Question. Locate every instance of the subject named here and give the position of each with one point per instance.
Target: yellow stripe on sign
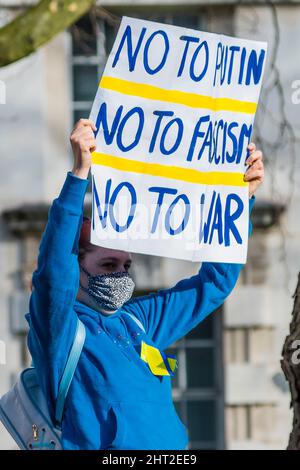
(175, 96)
(167, 171)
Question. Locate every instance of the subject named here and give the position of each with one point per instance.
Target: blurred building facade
(229, 388)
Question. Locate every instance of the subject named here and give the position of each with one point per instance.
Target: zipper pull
(35, 433)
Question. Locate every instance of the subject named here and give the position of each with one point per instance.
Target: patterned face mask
(110, 291)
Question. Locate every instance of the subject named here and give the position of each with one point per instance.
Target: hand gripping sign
(174, 114)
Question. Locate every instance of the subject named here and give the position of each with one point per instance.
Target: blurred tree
(30, 30)
(291, 367)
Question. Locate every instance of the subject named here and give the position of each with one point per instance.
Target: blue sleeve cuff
(73, 192)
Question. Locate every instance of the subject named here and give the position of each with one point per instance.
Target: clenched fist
(83, 142)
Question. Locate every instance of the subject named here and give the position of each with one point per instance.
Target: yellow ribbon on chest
(158, 362)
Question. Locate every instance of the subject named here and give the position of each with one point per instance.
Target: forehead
(100, 253)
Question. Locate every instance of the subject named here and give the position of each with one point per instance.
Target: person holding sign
(120, 396)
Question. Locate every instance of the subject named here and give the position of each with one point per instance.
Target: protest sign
(174, 114)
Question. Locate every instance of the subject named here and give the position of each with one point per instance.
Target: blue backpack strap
(137, 321)
(69, 370)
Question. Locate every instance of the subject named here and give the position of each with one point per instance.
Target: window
(88, 61)
(198, 383)
(92, 39)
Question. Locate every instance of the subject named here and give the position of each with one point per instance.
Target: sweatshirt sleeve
(170, 314)
(51, 317)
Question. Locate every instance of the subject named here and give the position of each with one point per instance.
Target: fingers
(254, 174)
(255, 164)
(84, 132)
(83, 137)
(83, 123)
(255, 171)
(254, 156)
(85, 145)
(251, 147)
(91, 144)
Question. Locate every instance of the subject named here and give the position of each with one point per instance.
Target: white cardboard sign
(174, 114)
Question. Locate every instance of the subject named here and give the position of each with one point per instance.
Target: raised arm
(55, 282)
(170, 314)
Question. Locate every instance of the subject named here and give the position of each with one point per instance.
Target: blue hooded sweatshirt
(114, 401)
